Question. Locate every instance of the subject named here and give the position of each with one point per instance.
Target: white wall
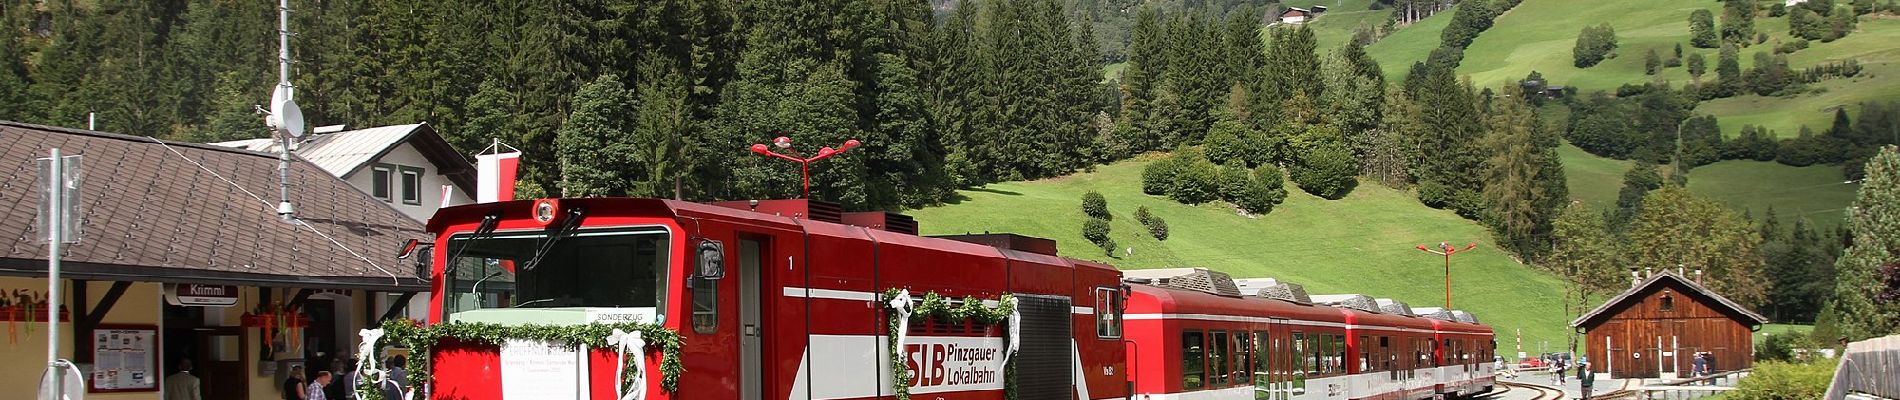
(405, 155)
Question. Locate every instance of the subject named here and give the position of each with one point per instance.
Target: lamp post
(1446, 249)
(804, 164)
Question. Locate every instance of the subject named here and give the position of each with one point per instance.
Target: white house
(405, 165)
(1295, 15)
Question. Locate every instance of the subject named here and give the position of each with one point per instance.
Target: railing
(1867, 370)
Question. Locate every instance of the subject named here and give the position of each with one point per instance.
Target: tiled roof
(182, 212)
(1730, 305)
(339, 153)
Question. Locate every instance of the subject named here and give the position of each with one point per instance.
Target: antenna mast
(285, 119)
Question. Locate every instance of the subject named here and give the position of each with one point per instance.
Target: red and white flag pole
(495, 173)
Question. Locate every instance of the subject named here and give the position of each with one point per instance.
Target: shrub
(1233, 183)
(1434, 194)
(1230, 142)
(1265, 190)
(1196, 181)
(1791, 46)
(1326, 170)
(1469, 204)
(1095, 230)
(1774, 380)
(1158, 228)
(1142, 215)
(1095, 206)
(1779, 346)
(1158, 177)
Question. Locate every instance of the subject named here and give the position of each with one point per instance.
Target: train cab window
(1108, 313)
(1193, 360)
(493, 277)
(1217, 357)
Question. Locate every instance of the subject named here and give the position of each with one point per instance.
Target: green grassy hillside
(1876, 45)
(1342, 18)
(1410, 44)
(1818, 193)
(1360, 244)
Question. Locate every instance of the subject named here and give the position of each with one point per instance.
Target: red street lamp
(804, 164)
(1446, 249)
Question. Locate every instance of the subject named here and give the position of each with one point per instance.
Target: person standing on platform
(1585, 378)
(293, 388)
(182, 385)
(315, 392)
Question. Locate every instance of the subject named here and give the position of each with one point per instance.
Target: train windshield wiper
(568, 225)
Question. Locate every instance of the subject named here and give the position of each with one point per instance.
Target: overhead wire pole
(1446, 249)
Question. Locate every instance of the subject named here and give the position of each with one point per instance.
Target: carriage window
(1365, 353)
(1321, 361)
(1217, 341)
(1431, 347)
(1193, 361)
(1108, 313)
(1299, 353)
(1339, 354)
(1243, 356)
(1262, 365)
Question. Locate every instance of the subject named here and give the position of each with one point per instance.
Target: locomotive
(791, 299)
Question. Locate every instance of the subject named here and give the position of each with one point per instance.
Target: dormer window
(1668, 302)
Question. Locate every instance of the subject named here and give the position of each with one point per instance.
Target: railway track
(1539, 392)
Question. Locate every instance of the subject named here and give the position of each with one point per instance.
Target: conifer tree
(1874, 235)
(1702, 29)
(597, 151)
(1678, 228)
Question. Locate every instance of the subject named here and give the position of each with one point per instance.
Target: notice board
(124, 359)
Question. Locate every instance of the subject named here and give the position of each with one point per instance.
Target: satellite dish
(285, 116)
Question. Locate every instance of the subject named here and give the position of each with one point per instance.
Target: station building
(182, 255)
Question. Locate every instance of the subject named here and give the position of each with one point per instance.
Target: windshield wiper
(487, 227)
(568, 225)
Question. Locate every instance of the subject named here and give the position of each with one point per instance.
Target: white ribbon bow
(366, 368)
(624, 342)
(1015, 329)
(901, 306)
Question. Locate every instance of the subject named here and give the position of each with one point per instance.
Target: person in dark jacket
(1585, 377)
(293, 387)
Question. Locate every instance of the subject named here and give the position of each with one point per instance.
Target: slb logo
(954, 363)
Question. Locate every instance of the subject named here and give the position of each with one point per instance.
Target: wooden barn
(1655, 329)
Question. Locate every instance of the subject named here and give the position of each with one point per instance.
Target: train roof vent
(1196, 279)
(1008, 241)
(1390, 306)
(1274, 289)
(815, 210)
(1463, 316)
(883, 220)
(1434, 313)
(1353, 301)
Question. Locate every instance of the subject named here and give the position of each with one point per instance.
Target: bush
(1434, 194)
(1142, 215)
(1230, 142)
(1264, 190)
(1779, 346)
(1326, 170)
(1158, 177)
(1096, 231)
(1774, 380)
(1158, 228)
(1233, 183)
(1095, 206)
(1196, 181)
(1791, 46)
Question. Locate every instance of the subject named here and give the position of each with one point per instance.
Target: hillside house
(410, 167)
(1296, 15)
(1655, 329)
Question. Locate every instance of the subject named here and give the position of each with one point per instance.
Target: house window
(380, 177)
(1108, 313)
(411, 185)
(1668, 302)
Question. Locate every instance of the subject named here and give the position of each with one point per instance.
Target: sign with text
(125, 358)
(951, 363)
(188, 294)
(533, 369)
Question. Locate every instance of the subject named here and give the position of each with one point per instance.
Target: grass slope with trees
(1362, 243)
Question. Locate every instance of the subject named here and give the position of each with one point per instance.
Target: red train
(784, 300)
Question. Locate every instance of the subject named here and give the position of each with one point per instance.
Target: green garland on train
(934, 305)
(420, 339)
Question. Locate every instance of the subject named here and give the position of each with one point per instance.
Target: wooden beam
(105, 304)
(296, 302)
(397, 306)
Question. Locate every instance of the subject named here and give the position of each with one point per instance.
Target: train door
(752, 253)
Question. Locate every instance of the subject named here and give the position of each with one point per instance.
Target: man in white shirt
(315, 391)
(182, 385)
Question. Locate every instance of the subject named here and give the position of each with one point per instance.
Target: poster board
(124, 359)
